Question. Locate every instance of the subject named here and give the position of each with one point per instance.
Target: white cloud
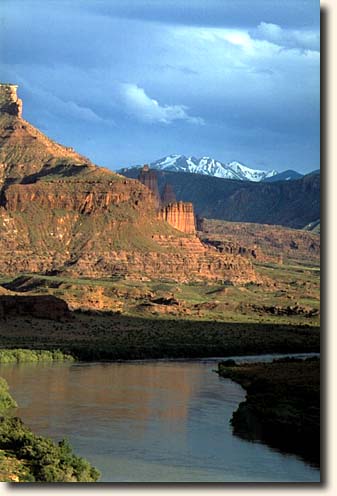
(288, 38)
(270, 32)
(147, 109)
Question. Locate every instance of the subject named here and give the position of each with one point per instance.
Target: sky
(127, 82)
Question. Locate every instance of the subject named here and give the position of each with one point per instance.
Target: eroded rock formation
(179, 215)
(59, 213)
(262, 242)
(84, 197)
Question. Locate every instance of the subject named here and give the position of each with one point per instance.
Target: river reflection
(148, 421)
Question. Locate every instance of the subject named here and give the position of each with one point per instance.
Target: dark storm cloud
(126, 82)
(215, 13)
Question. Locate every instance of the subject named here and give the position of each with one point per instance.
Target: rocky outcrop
(84, 197)
(103, 244)
(288, 203)
(9, 101)
(234, 248)
(261, 242)
(26, 153)
(289, 310)
(59, 213)
(149, 178)
(41, 307)
(179, 215)
(168, 195)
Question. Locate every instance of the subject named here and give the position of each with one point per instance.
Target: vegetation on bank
(96, 336)
(41, 459)
(26, 457)
(6, 400)
(282, 407)
(20, 355)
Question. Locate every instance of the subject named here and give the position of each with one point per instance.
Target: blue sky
(127, 82)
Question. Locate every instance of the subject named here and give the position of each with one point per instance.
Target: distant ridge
(288, 175)
(211, 167)
(208, 166)
(287, 203)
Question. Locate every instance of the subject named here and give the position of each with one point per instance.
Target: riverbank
(148, 421)
(282, 407)
(26, 457)
(112, 336)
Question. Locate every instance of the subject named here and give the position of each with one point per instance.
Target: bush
(6, 400)
(46, 461)
(22, 355)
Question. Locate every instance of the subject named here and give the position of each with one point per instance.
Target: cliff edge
(60, 213)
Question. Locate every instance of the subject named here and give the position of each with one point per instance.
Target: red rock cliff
(83, 197)
(59, 213)
(179, 215)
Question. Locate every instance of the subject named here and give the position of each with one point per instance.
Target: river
(148, 421)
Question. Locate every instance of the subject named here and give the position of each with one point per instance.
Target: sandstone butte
(61, 214)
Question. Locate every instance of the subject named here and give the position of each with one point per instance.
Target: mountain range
(211, 167)
(288, 203)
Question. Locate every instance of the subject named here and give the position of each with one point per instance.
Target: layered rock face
(59, 213)
(103, 243)
(179, 215)
(262, 242)
(25, 152)
(83, 197)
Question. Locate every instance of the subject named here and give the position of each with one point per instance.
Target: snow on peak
(211, 167)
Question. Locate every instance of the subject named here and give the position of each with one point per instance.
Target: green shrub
(6, 400)
(45, 460)
(19, 355)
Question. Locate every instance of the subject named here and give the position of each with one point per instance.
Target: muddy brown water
(149, 421)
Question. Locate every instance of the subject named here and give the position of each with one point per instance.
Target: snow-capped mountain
(211, 167)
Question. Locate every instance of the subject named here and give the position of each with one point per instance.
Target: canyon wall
(264, 243)
(78, 196)
(179, 215)
(61, 214)
(102, 242)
